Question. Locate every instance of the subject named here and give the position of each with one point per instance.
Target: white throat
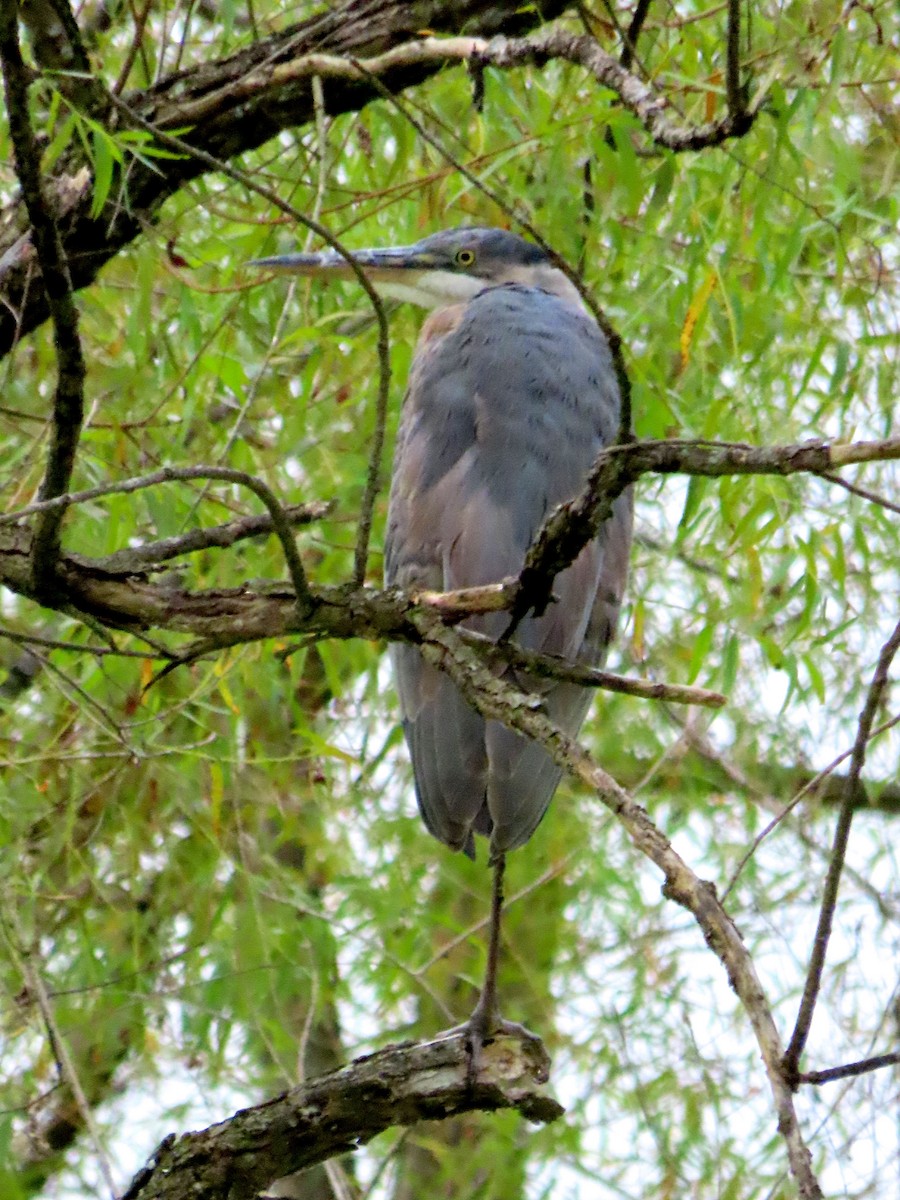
(431, 289)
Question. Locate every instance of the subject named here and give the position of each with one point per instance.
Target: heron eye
(465, 258)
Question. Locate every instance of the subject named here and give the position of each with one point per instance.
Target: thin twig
(89, 704)
(550, 666)
(140, 22)
(862, 492)
(448, 947)
(839, 852)
(851, 1069)
(810, 786)
(140, 558)
(701, 746)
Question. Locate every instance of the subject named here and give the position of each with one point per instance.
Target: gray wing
(503, 418)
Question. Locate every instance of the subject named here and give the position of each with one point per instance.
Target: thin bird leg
(486, 1021)
(487, 1010)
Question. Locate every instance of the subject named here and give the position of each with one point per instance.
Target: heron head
(449, 267)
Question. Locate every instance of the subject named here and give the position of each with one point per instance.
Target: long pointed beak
(380, 265)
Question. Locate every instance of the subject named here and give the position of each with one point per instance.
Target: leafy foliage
(220, 878)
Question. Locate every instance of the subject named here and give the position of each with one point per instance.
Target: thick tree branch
(647, 105)
(400, 1085)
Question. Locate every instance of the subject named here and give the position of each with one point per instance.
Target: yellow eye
(465, 258)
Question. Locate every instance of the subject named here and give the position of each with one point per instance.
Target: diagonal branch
(499, 701)
(839, 852)
(550, 666)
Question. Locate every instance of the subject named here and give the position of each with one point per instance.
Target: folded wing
(505, 413)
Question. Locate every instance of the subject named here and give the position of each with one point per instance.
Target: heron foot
(484, 1025)
(478, 1036)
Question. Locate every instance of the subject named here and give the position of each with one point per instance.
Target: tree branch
(640, 99)
(572, 525)
(141, 186)
(68, 404)
(549, 666)
(850, 1070)
(630, 38)
(733, 88)
(141, 558)
(839, 852)
(400, 1085)
(240, 102)
(498, 700)
(242, 614)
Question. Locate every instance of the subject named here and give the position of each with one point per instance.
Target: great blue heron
(511, 395)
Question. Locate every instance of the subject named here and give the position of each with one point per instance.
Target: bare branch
(849, 1070)
(549, 666)
(140, 558)
(839, 852)
(863, 493)
(647, 105)
(140, 24)
(33, 639)
(811, 785)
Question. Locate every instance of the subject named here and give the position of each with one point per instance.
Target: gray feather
(503, 417)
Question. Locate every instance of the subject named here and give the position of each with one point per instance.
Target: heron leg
(485, 1020)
